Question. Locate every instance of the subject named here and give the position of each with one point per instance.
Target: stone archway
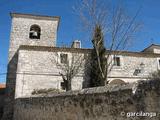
(117, 82)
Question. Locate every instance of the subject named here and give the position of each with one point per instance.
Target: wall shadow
(86, 75)
(10, 88)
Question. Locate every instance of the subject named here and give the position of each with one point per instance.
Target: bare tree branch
(69, 70)
(118, 28)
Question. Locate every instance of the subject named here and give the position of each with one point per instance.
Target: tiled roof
(32, 15)
(82, 50)
(152, 45)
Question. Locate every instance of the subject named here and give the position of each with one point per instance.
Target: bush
(45, 91)
(155, 75)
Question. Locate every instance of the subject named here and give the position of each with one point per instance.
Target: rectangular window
(158, 63)
(137, 71)
(63, 85)
(77, 44)
(64, 58)
(116, 61)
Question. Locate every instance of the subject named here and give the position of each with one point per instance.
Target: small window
(35, 32)
(77, 44)
(137, 71)
(63, 85)
(158, 63)
(116, 61)
(64, 58)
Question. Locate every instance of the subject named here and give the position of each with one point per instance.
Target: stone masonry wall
(38, 70)
(102, 103)
(20, 36)
(2, 96)
(129, 64)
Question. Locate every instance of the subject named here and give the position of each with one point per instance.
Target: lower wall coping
(94, 90)
(132, 88)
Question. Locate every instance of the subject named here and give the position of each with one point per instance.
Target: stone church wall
(103, 103)
(20, 30)
(37, 69)
(126, 71)
(2, 96)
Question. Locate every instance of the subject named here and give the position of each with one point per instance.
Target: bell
(35, 34)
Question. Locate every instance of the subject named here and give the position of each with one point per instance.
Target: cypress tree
(98, 52)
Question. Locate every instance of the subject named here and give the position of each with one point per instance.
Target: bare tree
(118, 28)
(69, 65)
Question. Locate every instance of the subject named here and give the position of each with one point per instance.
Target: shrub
(45, 91)
(155, 75)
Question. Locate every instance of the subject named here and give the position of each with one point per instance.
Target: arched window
(35, 32)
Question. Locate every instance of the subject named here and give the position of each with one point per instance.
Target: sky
(69, 28)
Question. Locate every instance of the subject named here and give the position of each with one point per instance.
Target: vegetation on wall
(155, 75)
(45, 91)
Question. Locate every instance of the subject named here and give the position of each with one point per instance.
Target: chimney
(76, 44)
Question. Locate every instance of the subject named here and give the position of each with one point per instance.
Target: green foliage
(98, 60)
(155, 75)
(45, 91)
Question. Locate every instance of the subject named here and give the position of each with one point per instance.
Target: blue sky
(69, 28)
